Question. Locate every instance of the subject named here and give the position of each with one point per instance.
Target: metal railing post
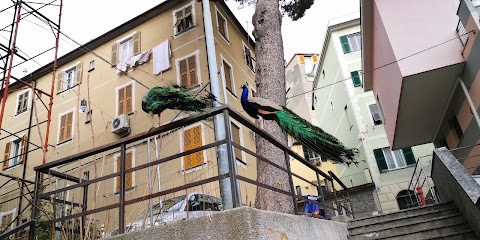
(86, 177)
(34, 207)
(290, 180)
(320, 193)
(339, 209)
(350, 203)
(232, 165)
(121, 208)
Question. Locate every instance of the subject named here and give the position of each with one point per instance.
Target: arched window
(407, 199)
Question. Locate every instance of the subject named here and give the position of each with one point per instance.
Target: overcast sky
(87, 19)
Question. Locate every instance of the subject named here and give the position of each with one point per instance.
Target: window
(91, 66)
(248, 57)
(331, 105)
(229, 84)
(183, 20)
(456, 126)
(237, 139)
(356, 78)
(390, 160)
(126, 48)
(377, 119)
(407, 199)
(192, 138)
(69, 78)
(311, 156)
(128, 176)
(22, 102)
(222, 25)
(14, 152)
(188, 72)
(6, 220)
(65, 127)
(351, 43)
(125, 105)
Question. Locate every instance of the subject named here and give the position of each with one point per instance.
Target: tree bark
(270, 79)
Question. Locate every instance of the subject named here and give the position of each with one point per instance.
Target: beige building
(168, 45)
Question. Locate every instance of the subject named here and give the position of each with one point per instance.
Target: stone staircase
(436, 221)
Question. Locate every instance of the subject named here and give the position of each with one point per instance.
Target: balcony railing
(462, 33)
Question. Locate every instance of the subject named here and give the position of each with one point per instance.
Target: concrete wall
(362, 201)
(454, 183)
(244, 223)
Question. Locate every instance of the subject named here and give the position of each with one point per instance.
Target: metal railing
(357, 179)
(462, 33)
(80, 211)
(421, 180)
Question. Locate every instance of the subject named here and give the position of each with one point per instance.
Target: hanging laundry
(161, 57)
(121, 67)
(143, 57)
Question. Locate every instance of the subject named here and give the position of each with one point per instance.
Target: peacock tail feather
(161, 98)
(314, 137)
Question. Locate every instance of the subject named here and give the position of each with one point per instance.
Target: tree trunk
(270, 79)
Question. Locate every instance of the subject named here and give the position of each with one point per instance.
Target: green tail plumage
(314, 137)
(158, 99)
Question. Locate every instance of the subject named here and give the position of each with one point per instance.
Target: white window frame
(15, 142)
(245, 56)
(226, 37)
(371, 115)
(73, 127)
(66, 84)
(396, 161)
(233, 91)
(194, 21)
(11, 212)
(205, 163)
(240, 130)
(354, 36)
(132, 82)
(18, 102)
(197, 59)
(116, 169)
(121, 51)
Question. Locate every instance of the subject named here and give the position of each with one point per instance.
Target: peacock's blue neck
(244, 96)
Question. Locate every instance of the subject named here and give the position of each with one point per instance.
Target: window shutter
(62, 128)
(68, 128)
(228, 76)
(24, 148)
(192, 70)
(315, 58)
(117, 187)
(356, 79)
(345, 44)
(121, 100)
(183, 73)
(197, 139)
(60, 81)
(302, 59)
(187, 145)
(114, 54)
(128, 99)
(236, 139)
(6, 156)
(128, 176)
(78, 73)
(136, 43)
(382, 164)
(409, 157)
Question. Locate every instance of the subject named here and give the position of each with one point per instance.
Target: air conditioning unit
(120, 124)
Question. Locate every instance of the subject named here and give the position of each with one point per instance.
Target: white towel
(121, 67)
(143, 57)
(161, 57)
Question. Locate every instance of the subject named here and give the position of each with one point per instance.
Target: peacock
(306, 133)
(158, 99)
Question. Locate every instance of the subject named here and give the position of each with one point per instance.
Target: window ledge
(193, 169)
(66, 90)
(178, 34)
(397, 169)
(17, 114)
(64, 142)
(12, 167)
(241, 163)
(132, 189)
(224, 37)
(231, 93)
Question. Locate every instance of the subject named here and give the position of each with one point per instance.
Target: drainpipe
(150, 185)
(218, 120)
(469, 100)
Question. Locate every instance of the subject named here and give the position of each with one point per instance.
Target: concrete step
(402, 213)
(461, 235)
(401, 220)
(417, 230)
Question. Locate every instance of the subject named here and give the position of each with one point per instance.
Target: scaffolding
(12, 56)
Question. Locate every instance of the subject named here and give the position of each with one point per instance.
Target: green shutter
(345, 44)
(382, 164)
(409, 157)
(357, 82)
(305, 153)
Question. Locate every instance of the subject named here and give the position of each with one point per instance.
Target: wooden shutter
(121, 101)
(117, 184)
(183, 73)
(356, 79)
(128, 99)
(78, 73)
(63, 123)
(197, 140)
(345, 44)
(68, 127)
(302, 59)
(6, 156)
(236, 139)
(136, 43)
(114, 54)
(24, 148)
(192, 71)
(315, 58)
(192, 138)
(228, 76)
(382, 164)
(60, 81)
(128, 176)
(187, 145)
(409, 157)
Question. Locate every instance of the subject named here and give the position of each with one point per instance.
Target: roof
(115, 32)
